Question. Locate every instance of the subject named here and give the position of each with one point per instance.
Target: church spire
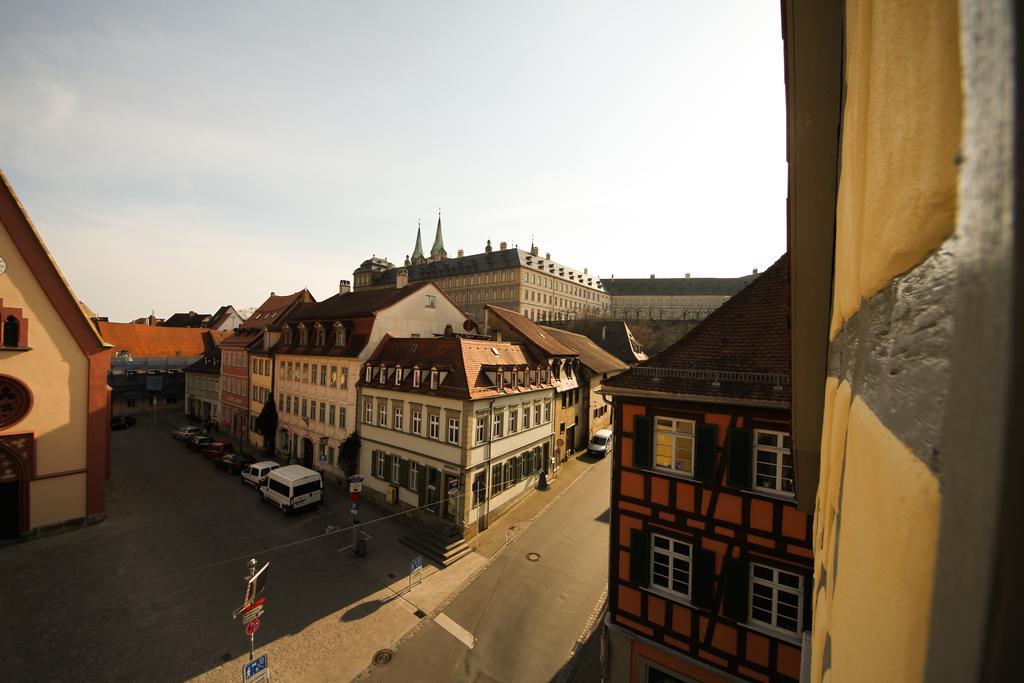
(437, 251)
(417, 253)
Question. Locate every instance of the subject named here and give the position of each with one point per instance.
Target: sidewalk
(342, 645)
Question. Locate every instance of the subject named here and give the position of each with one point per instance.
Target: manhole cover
(420, 613)
(383, 657)
(533, 557)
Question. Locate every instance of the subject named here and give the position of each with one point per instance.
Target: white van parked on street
(601, 443)
(292, 487)
(257, 472)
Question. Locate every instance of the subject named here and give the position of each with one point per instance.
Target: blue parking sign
(256, 670)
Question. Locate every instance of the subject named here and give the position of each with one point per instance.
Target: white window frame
(396, 469)
(397, 420)
(368, 411)
(416, 377)
(453, 430)
(378, 464)
(672, 558)
(383, 378)
(513, 420)
(775, 586)
(497, 424)
(398, 375)
(526, 417)
(369, 372)
(433, 379)
(779, 452)
(417, 422)
(341, 416)
(382, 413)
(481, 429)
(431, 301)
(672, 431)
(434, 426)
(547, 410)
(414, 475)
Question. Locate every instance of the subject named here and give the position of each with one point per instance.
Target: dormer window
(369, 372)
(433, 379)
(416, 377)
(287, 335)
(303, 335)
(398, 375)
(501, 380)
(515, 383)
(383, 375)
(321, 336)
(339, 334)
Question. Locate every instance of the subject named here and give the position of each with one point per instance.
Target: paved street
(518, 620)
(146, 595)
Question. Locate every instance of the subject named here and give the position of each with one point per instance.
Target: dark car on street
(197, 442)
(234, 463)
(122, 422)
(215, 450)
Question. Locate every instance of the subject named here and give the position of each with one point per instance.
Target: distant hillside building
(677, 298)
(520, 281)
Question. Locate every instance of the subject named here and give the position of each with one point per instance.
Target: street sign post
(252, 605)
(415, 567)
(256, 671)
(251, 627)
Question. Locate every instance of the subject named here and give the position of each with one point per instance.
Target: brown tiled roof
(591, 355)
(739, 351)
(465, 360)
(144, 341)
(531, 331)
(271, 312)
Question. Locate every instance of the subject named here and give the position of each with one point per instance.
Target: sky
(181, 156)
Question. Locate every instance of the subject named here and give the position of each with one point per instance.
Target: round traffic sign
(252, 627)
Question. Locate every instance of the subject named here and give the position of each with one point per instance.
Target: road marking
(463, 636)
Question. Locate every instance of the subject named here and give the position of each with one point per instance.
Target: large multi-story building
(680, 298)
(711, 571)
(320, 354)
(202, 388)
(54, 401)
(147, 371)
(521, 281)
(458, 426)
(239, 409)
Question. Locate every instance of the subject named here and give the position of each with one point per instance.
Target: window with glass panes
(341, 416)
(453, 430)
(670, 565)
(378, 464)
(416, 422)
(481, 429)
(536, 413)
(499, 419)
(323, 410)
(673, 444)
(331, 414)
(414, 475)
(775, 597)
(513, 420)
(435, 426)
(398, 417)
(496, 480)
(526, 417)
(396, 468)
(773, 462)
(368, 407)
(547, 411)
(382, 411)
(323, 375)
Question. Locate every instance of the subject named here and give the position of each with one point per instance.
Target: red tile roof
(144, 341)
(739, 351)
(531, 331)
(465, 360)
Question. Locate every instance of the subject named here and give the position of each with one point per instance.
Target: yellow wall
(57, 499)
(56, 372)
(901, 134)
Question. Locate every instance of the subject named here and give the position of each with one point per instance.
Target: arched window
(12, 331)
(15, 401)
(339, 334)
(321, 336)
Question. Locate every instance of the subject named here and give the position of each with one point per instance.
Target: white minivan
(600, 444)
(257, 472)
(292, 487)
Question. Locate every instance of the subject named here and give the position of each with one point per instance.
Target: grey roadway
(524, 615)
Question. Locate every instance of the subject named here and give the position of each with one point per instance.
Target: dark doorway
(451, 497)
(307, 453)
(433, 490)
(570, 440)
(9, 509)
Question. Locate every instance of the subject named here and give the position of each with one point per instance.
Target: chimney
(344, 286)
(191, 312)
(151, 320)
(534, 251)
(401, 278)
(652, 276)
(503, 246)
(487, 249)
(272, 294)
(547, 256)
(687, 276)
(449, 331)
(584, 271)
(755, 271)
(461, 253)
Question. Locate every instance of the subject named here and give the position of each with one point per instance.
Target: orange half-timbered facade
(710, 567)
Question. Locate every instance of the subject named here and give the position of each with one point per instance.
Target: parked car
(198, 442)
(600, 444)
(182, 433)
(293, 486)
(257, 472)
(216, 450)
(234, 463)
(122, 422)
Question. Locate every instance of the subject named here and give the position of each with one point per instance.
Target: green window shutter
(736, 575)
(403, 472)
(741, 444)
(387, 467)
(704, 466)
(642, 455)
(421, 484)
(703, 577)
(808, 601)
(639, 557)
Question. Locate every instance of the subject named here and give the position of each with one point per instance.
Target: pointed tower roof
(417, 253)
(438, 248)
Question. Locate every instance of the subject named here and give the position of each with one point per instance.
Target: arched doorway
(307, 453)
(13, 496)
